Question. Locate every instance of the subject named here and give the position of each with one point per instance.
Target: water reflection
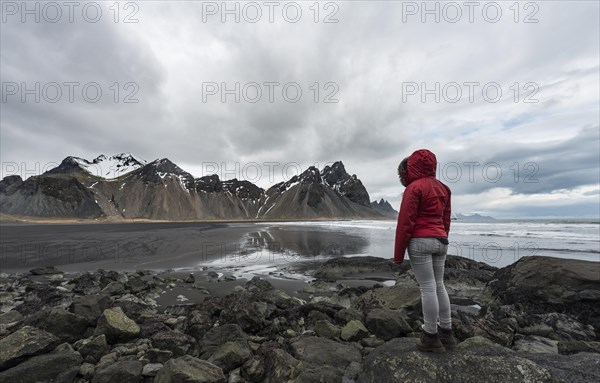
(302, 243)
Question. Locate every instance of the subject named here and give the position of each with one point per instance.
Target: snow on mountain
(110, 167)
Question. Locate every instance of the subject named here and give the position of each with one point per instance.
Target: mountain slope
(307, 196)
(47, 196)
(123, 186)
(107, 167)
(336, 177)
(384, 208)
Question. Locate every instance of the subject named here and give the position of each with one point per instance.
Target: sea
(499, 243)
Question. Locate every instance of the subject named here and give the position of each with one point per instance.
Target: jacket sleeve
(447, 213)
(406, 222)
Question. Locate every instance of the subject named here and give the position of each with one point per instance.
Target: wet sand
(114, 246)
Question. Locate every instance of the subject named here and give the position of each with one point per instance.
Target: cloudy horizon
(366, 83)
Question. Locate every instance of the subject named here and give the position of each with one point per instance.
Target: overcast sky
(532, 150)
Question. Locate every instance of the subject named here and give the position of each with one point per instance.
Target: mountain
(101, 166)
(349, 186)
(384, 208)
(472, 217)
(47, 196)
(124, 186)
(310, 195)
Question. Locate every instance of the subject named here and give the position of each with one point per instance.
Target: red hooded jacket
(425, 208)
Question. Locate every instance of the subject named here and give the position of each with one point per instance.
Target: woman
(423, 227)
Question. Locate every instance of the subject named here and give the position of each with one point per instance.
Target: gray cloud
(369, 54)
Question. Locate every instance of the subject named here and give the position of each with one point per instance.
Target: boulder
(48, 270)
(230, 355)
(322, 351)
(68, 327)
(155, 355)
(90, 306)
(354, 331)
(94, 349)
(399, 361)
(577, 346)
(178, 343)
(151, 369)
(23, 343)
(336, 268)
(326, 329)
(400, 296)
(345, 315)
(536, 344)
(473, 342)
(218, 335)
(10, 322)
(387, 324)
(258, 284)
(129, 371)
(55, 367)
(547, 284)
(117, 326)
(188, 369)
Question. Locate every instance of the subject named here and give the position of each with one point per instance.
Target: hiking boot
(447, 337)
(430, 343)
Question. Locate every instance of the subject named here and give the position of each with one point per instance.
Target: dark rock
(129, 371)
(372, 342)
(23, 343)
(90, 306)
(219, 335)
(241, 308)
(399, 361)
(354, 331)
(326, 329)
(536, 344)
(151, 369)
(547, 284)
(402, 295)
(258, 284)
(10, 322)
(387, 324)
(38, 296)
(188, 369)
(190, 279)
(134, 310)
(94, 349)
(55, 367)
(577, 346)
(344, 316)
(113, 288)
(336, 268)
(579, 368)
(151, 327)
(322, 351)
(271, 365)
(117, 326)
(86, 284)
(48, 270)
(155, 355)
(136, 285)
(230, 355)
(178, 343)
(68, 327)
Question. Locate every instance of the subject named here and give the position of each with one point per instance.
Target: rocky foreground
(537, 320)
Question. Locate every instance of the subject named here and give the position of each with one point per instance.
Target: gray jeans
(427, 259)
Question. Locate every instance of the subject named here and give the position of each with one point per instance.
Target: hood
(421, 163)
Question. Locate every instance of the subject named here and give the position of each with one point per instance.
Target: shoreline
(56, 220)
